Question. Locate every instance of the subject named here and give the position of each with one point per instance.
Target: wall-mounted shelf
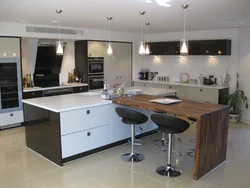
(220, 47)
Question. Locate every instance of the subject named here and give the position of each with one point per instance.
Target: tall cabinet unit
(117, 68)
(11, 109)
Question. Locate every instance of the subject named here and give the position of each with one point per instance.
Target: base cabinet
(199, 94)
(83, 141)
(203, 95)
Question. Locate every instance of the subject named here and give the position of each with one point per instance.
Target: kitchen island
(211, 131)
(66, 127)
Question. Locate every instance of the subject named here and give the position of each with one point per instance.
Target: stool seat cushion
(131, 117)
(170, 124)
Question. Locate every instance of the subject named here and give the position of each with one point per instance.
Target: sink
(89, 94)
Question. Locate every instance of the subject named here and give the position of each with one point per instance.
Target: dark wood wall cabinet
(196, 47)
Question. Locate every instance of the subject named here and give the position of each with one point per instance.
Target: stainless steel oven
(96, 82)
(95, 65)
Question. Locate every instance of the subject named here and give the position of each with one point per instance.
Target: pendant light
(142, 49)
(110, 50)
(147, 51)
(184, 42)
(59, 48)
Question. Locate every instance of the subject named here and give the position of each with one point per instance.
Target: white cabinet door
(9, 47)
(118, 67)
(96, 49)
(11, 118)
(203, 95)
(83, 119)
(83, 141)
(181, 90)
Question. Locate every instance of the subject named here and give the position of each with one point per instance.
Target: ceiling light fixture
(59, 49)
(184, 42)
(163, 3)
(54, 21)
(142, 49)
(147, 51)
(21, 20)
(110, 50)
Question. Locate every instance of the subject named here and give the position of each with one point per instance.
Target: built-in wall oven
(96, 82)
(95, 65)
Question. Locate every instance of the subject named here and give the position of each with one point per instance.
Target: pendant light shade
(184, 47)
(147, 50)
(184, 42)
(59, 47)
(142, 49)
(109, 50)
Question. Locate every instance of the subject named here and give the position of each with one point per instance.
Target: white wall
(244, 67)
(29, 51)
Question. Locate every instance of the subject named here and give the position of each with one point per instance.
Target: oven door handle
(97, 80)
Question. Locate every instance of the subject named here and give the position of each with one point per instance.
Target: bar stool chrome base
(132, 157)
(191, 152)
(169, 171)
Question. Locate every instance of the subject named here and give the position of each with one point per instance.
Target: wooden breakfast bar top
(211, 132)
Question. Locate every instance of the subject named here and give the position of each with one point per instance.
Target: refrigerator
(11, 108)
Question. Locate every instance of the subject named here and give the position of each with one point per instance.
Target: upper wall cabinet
(198, 47)
(9, 47)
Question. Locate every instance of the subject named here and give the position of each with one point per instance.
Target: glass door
(10, 85)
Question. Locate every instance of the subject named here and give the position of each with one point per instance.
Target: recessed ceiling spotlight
(241, 22)
(163, 3)
(21, 20)
(54, 21)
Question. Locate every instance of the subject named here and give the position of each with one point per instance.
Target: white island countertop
(63, 103)
(181, 84)
(31, 89)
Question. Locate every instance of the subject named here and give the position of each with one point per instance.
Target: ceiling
(201, 14)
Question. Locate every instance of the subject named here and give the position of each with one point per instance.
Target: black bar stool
(163, 141)
(169, 125)
(131, 117)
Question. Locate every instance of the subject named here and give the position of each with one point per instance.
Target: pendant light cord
(185, 24)
(141, 30)
(59, 27)
(109, 32)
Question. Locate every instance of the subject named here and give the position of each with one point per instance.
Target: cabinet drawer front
(88, 118)
(32, 94)
(80, 89)
(11, 118)
(139, 84)
(86, 140)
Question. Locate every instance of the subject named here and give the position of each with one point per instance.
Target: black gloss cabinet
(196, 47)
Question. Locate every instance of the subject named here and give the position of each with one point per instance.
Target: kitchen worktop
(62, 103)
(147, 90)
(31, 89)
(182, 84)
